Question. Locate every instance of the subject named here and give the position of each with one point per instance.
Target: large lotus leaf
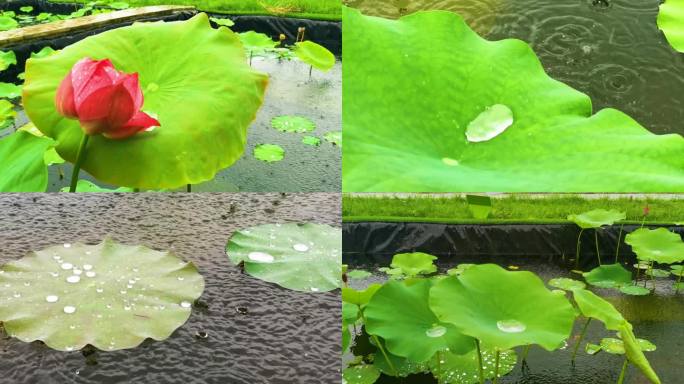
(303, 257)
(597, 218)
(315, 55)
(22, 162)
(6, 59)
(413, 264)
(608, 276)
(203, 121)
(659, 245)
(400, 314)
(593, 306)
(451, 368)
(111, 296)
(409, 100)
(671, 21)
(635, 354)
(501, 308)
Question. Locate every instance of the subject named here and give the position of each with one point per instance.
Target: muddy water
(610, 49)
(285, 337)
(659, 319)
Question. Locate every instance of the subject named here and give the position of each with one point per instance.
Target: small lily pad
(634, 290)
(656, 272)
(465, 368)
(10, 91)
(6, 59)
(296, 124)
(72, 295)
(608, 276)
(360, 374)
(315, 55)
(7, 23)
(592, 349)
(492, 122)
(358, 274)
(224, 22)
(566, 283)
(597, 218)
(118, 5)
(613, 346)
(334, 138)
(269, 152)
(414, 264)
(311, 140)
(26, 9)
(659, 245)
(303, 257)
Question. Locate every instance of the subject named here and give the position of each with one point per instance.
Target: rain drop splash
(301, 247)
(69, 309)
(51, 298)
(260, 257)
(73, 279)
(185, 304)
(510, 326)
(436, 331)
(490, 123)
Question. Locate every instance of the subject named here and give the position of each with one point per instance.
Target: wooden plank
(62, 27)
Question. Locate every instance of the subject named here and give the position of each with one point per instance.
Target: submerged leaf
(111, 296)
(303, 257)
(269, 152)
(659, 245)
(597, 218)
(315, 55)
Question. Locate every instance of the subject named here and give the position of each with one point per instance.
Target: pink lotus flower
(103, 100)
(646, 210)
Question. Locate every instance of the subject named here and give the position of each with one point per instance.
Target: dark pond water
(284, 337)
(610, 49)
(658, 318)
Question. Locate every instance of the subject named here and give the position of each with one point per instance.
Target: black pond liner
(256, 332)
(538, 248)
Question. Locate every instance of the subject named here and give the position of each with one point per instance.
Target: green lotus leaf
(635, 354)
(676, 270)
(297, 124)
(501, 308)
(7, 23)
(269, 153)
(7, 112)
(592, 349)
(118, 5)
(111, 296)
(10, 91)
(350, 313)
(334, 138)
(224, 22)
(358, 274)
(409, 100)
(613, 346)
(52, 157)
(671, 21)
(414, 264)
(22, 164)
(659, 245)
(6, 59)
(89, 187)
(459, 269)
(597, 218)
(401, 366)
(595, 307)
(656, 272)
(465, 369)
(303, 257)
(346, 338)
(26, 9)
(203, 122)
(634, 290)
(359, 297)
(256, 42)
(400, 314)
(566, 284)
(43, 16)
(608, 276)
(44, 52)
(315, 55)
(360, 374)
(311, 140)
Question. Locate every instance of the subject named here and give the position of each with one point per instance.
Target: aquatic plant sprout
(409, 102)
(303, 257)
(204, 122)
(73, 295)
(671, 22)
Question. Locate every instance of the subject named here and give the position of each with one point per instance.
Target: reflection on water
(610, 49)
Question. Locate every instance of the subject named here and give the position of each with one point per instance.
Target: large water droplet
(489, 124)
(185, 304)
(67, 245)
(69, 309)
(67, 266)
(510, 326)
(90, 274)
(51, 298)
(87, 267)
(73, 279)
(301, 247)
(261, 257)
(436, 331)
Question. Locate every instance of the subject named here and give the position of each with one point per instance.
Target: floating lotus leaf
(6, 59)
(359, 297)
(656, 272)
(360, 374)
(9, 90)
(358, 274)
(315, 55)
(566, 284)
(89, 187)
(593, 306)
(7, 23)
(22, 162)
(635, 354)
(613, 346)
(459, 269)
(255, 42)
(677, 270)
(634, 290)
(225, 22)
(269, 153)
(303, 257)
(414, 264)
(401, 316)
(465, 369)
(297, 124)
(597, 218)
(501, 308)
(671, 21)
(659, 245)
(409, 100)
(334, 138)
(111, 296)
(26, 9)
(203, 122)
(608, 276)
(44, 52)
(311, 140)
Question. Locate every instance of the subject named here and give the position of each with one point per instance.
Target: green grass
(514, 208)
(310, 9)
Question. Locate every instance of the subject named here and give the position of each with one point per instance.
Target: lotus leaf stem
(380, 347)
(577, 252)
(496, 367)
(80, 157)
(439, 364)
(621, 379)
(526, 351)
(679, 280)
(310, 71)
(650, 270)
(638, 269)
(479, 361)
(189, 188)
(617, 249)
(579, 341)
(598, 255)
